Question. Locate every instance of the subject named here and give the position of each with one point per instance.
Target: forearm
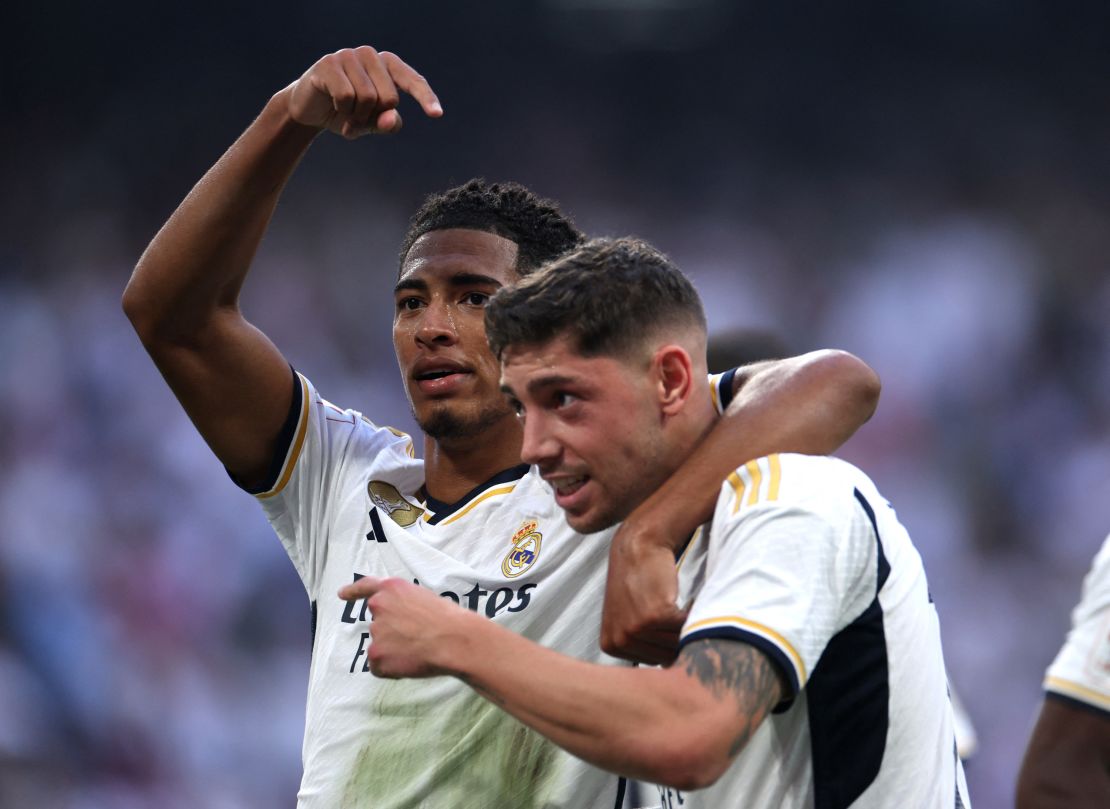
(197, 262)
(810, 404)
(633, 721)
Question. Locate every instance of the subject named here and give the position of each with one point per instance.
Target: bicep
(739, 685)
(1067, 763)
(235, 386)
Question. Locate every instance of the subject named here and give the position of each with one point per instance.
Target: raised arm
(680, 727)
(809, 404)
(183, 297)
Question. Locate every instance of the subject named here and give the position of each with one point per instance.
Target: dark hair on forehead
(539, 229)
(609, 296)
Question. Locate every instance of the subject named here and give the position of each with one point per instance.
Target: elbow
(856, 377)
(132, 306)
(137, 308)
(688, 762)
(161, 320)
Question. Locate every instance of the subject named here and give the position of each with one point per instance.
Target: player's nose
(539, 447)
(437, 326)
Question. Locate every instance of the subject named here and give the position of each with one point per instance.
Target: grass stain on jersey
(450, 750)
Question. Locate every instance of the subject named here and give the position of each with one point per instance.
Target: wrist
(278, 113)
(656, 523)
(461, 636)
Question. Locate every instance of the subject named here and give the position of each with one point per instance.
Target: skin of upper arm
(1067, 762)
(234, 385)
(735, 686)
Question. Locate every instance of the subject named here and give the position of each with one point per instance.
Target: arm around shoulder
(829, 394)
(809, 404)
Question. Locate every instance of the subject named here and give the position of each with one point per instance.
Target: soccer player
(470, 522)
(1067, 763)
(810, 671)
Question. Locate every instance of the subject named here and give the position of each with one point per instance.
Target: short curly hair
(540, 230)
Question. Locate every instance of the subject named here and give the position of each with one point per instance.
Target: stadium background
(927, 186)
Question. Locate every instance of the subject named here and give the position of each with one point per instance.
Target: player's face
(591, 424)
(439, 332)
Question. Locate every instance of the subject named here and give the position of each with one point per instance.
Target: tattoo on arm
(733, 671)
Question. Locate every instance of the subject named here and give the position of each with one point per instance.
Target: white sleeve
(328, 448)
(792, 560)
(1081, 671)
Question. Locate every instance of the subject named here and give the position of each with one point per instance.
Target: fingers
(371, 85)
(649, 641)
(356, 91)
(367, 96)
(412, 83)
(374, 69)
(653, 654)
(363, 588)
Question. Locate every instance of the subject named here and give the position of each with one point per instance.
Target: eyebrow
(462, 279)
(538, 384)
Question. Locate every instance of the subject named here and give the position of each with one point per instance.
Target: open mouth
(568, 486)
(441, 381)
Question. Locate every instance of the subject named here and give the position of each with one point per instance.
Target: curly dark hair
(608, 295)
(540, 230)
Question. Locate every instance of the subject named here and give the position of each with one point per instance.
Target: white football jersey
(1081, 671)
(345, 505)
(806, 561)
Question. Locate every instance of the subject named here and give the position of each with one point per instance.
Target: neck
(453, 468)
(682, 435)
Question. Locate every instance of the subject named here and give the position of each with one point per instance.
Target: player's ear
(674, 377)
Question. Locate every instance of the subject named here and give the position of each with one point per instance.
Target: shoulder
(348, 423)
(788, 480)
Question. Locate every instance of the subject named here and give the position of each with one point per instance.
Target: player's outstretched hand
(641, 619)
(413, 631)
(355, 92)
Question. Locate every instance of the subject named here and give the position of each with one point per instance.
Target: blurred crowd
(945, 220)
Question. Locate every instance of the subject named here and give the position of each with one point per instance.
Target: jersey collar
(441, 511)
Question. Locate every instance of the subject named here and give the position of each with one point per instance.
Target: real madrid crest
(386, 497)
(525, 550)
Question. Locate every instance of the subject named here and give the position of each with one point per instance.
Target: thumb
(389, 121)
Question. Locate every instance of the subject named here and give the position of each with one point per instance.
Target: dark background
(925, 184)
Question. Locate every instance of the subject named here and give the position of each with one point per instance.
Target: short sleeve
(720, 389)
(327, 450)
(1081, 671)
(790, 563)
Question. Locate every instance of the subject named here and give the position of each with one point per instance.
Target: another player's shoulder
(1096, 584)
(1100, 568)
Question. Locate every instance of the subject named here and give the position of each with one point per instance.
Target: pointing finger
(363, 588)
(412, 83)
